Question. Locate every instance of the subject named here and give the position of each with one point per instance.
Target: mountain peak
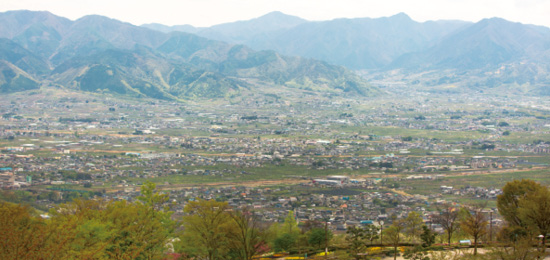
(96, 18)
(279, 17)
(275, 14)
(14, 23)
(30, 14)
(401, 16)
(242, 31)
(494, 21)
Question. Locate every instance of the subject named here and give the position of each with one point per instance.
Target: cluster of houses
(474, 192)
(339, 208)
(91, 142)
(9, 180)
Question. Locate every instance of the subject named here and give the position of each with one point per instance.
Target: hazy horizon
(201, 13)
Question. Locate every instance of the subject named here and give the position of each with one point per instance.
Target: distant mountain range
(99, 54)
(103, 55)
(488, 53)
(355, 43)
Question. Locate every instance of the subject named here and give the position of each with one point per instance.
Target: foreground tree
(392, 236)
(290, 225)
(25, 236)
(448, 219)
(534, 210)
(318, 237)
(371, 233)
(152, 199)
(355, 236)
(413, 225)
(141, 233)
(508, 203)
(427, 236)
(160, 227)
(245, 235)
(286, 236)
(204, 228)
(311, 224)
(93, 231)
(520, 249)
(475, 225)
(85, 229)
(525, 205)
(284, 242)
(114, 230)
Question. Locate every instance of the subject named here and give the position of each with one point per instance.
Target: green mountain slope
(267, 66)
(99, 54)
(13, 79)
(141, 73)
(22, 58)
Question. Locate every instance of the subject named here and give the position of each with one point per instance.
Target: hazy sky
(210, 12)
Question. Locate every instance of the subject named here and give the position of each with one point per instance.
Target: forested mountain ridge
(487, 54)
(100, 54)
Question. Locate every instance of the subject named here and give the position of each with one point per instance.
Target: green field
(487, 180)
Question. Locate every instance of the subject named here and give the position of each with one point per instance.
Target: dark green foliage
(513, 233)
(487, 147)
(249, 117)
(371, 233)
(344, 115)
(83, 120)
(77, 176)
(318, 236)
(357, 238)
(383, 164)
(427, 236)
(284, 243)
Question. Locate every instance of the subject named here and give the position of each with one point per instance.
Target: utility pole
(326, 239)
(491, 226)
(381, 230)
